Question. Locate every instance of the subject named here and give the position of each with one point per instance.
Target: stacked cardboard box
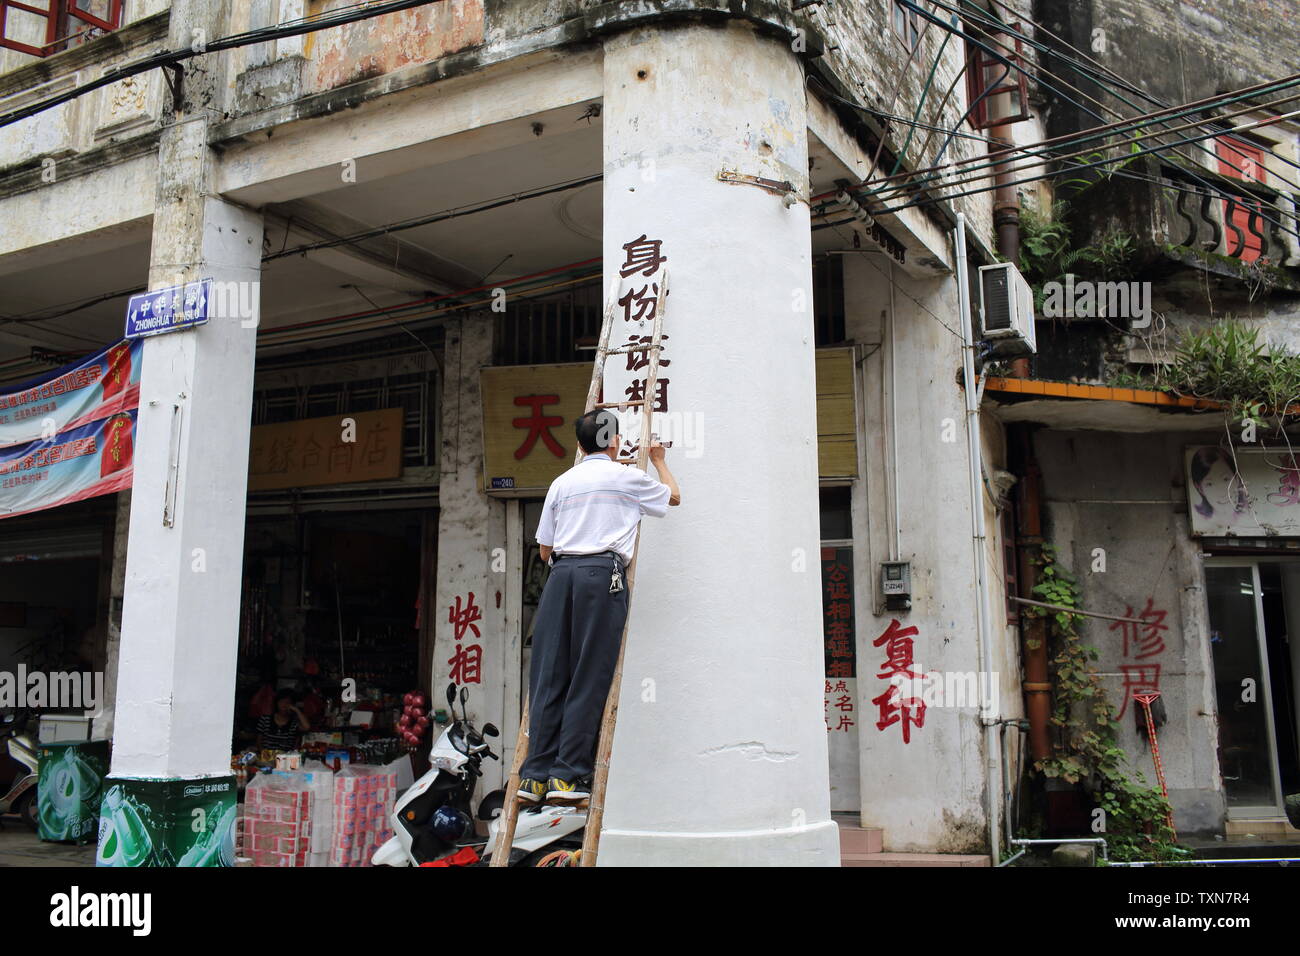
(278, 819)
(363, 805)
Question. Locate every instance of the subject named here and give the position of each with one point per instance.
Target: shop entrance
(332, 610)
(1254, 606)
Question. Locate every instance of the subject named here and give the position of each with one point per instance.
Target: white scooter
(431, 821)
(18, 768)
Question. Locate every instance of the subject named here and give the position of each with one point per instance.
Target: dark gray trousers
(575, 649)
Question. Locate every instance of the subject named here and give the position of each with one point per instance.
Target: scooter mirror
(464, 696)
(451, 695)
(490, 730)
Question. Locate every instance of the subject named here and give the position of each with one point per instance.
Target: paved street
(19, 846)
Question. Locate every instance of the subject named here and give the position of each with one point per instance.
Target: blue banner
(78, 463)
(91, 389)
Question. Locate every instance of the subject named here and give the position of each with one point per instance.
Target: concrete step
(861, 839)
(911, 859)
(1273, 828)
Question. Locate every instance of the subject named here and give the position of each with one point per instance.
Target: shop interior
(331, 611)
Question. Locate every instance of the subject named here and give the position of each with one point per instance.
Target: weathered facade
(432, 208)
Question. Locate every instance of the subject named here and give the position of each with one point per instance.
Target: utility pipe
(992, 748)
(1033, 631)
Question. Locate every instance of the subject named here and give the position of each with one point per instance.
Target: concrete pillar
(180, 615)
(720, 756)
(469, 611)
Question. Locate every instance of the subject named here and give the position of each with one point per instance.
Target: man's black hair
(284, 692)
(596, 429)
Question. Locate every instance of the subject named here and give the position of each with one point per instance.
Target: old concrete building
(414, 217)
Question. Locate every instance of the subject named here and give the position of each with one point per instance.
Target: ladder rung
(627, 349)
(640, 401)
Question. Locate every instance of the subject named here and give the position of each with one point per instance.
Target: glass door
(1247, 745)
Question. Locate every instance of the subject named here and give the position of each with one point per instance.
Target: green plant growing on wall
(1228, 363)
(1087, 750)
(1047, 253)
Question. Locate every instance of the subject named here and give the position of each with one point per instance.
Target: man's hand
(661, 465)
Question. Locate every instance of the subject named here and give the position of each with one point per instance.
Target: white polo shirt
(596, 505)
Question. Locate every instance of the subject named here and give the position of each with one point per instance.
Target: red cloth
(118, 374)
(117, 446)
(465, 856)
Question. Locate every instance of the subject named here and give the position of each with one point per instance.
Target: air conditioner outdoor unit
(1007, 310)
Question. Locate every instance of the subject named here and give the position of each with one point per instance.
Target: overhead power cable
(974, 41)
(981, 17)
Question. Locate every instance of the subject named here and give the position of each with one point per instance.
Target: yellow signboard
(529, 410)
(333, 450)
(528, 415)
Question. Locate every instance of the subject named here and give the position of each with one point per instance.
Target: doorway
(1253, 608)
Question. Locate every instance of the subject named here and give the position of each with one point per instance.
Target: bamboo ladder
(595, 805)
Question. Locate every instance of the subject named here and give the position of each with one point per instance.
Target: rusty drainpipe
(1033, 630)
(1006, 213)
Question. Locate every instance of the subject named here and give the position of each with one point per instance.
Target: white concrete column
(469, 610)
(720, 757)
(180, 615)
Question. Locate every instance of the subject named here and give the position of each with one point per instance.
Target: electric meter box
(896, 584)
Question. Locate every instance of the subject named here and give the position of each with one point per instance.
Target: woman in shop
(280, 729)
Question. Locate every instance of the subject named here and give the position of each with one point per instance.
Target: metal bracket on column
(174, 73)
(173, 468)
(778, 187)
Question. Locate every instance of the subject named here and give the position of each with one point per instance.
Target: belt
(599, 554)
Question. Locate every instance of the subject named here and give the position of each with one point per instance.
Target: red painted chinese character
(1137, 679)
(894, 708)
(538, 425)
(897, 641)
(467, 664)
(462, 618)
(1148, 639)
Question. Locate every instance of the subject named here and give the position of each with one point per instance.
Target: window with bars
(549, 331)
(43, 27)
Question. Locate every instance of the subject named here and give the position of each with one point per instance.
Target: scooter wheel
(26, 808)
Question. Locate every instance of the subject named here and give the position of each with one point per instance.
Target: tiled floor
(19, 846)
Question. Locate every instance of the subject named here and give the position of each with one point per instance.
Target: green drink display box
(69, 787)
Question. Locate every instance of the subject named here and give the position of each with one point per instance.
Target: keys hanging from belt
(616, 578)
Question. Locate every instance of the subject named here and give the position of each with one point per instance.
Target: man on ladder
(587, 532)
